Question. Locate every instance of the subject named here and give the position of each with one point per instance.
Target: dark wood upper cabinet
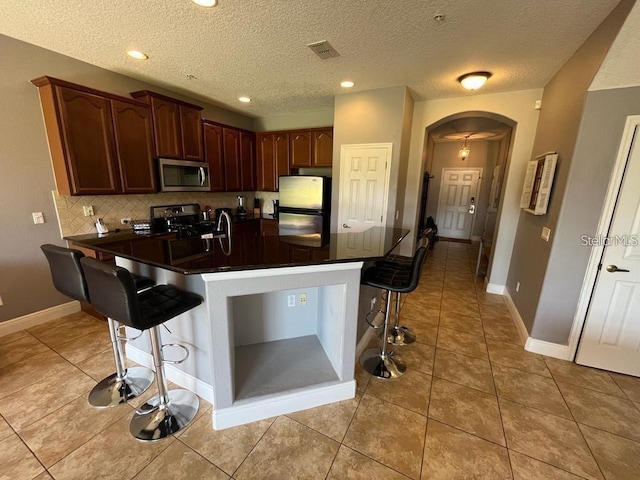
(272, 159)
(191, 124)
(322, 147)
(134, 149)
(266, 163)
(100, 143)
(247, 161)
(231, 148)
(281, 146)
(300, 149)
(177, 126)
(214, 156)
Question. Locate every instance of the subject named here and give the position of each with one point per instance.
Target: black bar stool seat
(383, 362)
(68, 278)
(113, 294)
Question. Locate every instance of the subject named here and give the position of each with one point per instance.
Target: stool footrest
(177, 345)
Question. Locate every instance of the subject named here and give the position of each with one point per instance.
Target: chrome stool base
(401, 336)
(113, 391)
(385, 366)
(153, 421)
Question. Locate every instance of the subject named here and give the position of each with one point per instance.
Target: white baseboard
(173, 374)
(364, 341)
(495, 288)
(36, 318)
(533, 345)
(281, 404)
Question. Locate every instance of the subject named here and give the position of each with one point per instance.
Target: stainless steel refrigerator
(305, 204)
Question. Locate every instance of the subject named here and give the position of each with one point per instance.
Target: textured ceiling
(258, 47)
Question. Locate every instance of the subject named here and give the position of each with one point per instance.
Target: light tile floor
(473, 404)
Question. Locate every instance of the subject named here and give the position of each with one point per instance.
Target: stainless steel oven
(183, 176)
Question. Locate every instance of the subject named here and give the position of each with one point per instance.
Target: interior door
(611, 335)
(457, 202)
(364, 186)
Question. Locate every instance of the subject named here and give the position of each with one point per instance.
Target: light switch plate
(546, 233)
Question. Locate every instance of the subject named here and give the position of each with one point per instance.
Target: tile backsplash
(111, 208)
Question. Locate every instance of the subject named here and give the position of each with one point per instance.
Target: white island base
(252, 355)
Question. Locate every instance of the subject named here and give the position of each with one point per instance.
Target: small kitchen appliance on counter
(241, 212)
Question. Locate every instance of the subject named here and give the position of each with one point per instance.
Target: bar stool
(113, 294)
(399, 334)
(68, 278)
(383, 362)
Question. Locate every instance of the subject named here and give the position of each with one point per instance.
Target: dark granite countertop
(248, 251)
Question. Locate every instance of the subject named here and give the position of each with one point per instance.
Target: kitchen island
(278, 329)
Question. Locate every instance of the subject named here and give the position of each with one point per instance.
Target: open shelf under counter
(264, 369)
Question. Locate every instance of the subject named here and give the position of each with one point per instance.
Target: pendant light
(464, 151)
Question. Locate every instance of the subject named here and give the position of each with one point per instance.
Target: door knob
(344, 225)
(614, 269)
(472, 209)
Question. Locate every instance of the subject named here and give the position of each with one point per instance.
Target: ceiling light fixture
(244, 99)
(464, 151)
(347, 84)
(206, 3)
(137, 55)
(474, 80)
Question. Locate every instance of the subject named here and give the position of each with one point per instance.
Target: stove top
(183, 220)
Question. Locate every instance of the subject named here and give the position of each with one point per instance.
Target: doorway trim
(631, 127)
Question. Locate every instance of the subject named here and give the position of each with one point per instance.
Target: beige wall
(376, 116)
(289, 122)
(549, 290)
(518, 106)
(26, 177)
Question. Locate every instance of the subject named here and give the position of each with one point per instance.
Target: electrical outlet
(517, 287)
(87, 210)
(302, 299)
(125, 221)
(38, 217)
(291, 300)
(374, 300)
(546, 233)
(1, 302)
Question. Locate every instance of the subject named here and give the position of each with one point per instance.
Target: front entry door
(457, 202)
(611, 335)
(364, 186)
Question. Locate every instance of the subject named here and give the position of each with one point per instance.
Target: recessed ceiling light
(244, 99)
(347, 84)
(475, 80)
(206, 3)
(137, 55)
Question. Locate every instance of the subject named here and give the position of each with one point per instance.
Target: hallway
(472, 405)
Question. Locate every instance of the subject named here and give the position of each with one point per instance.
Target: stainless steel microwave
(183, 176)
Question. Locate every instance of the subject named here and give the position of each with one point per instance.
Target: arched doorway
(463, 195)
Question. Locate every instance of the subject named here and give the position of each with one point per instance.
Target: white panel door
(611, 336)
(457, 202)
(364, 186)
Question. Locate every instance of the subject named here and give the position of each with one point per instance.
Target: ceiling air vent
(323, 49)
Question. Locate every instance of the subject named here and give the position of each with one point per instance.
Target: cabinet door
(88, 142)
(269, 228)
(281, 152)
(191, 125)
(300, 149)
(231, 146)
(166, 128)
(247, 161)
(214, 156)
(322, 147)
(266, 162)
(134, 146)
